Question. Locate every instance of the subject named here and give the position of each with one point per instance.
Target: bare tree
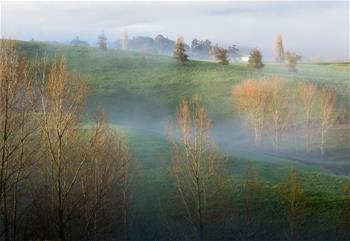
(17, 128)
(126, 182)
(294, 202)
(105, 176)
(61, 100)
(252, 203)
(279, 51)
(307, 97)
(327, 113)
(249, 98)
(94, 176)
(196, 167)
(278, 107)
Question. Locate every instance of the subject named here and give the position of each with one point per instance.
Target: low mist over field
(208, 121)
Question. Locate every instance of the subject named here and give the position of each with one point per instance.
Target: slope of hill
(140, 92)
(143, 90)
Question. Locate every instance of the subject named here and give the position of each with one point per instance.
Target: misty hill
(140, 92)
(143, 90)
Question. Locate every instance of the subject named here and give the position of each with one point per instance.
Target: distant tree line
(201, 49)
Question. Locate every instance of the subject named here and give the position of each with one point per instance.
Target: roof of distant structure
(77, 41)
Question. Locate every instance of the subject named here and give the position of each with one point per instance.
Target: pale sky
(312, 29)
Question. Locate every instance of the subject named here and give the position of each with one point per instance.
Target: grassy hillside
(140, 93)
(157, 214)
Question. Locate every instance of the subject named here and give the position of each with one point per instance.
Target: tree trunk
(5, 221)
(126, 214)
(14, 208)
(200, 212)
(256, 136)
(322, 141)
(61, 223)
(276, 135)
(308, 134)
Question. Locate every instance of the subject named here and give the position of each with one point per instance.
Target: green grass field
(139, 94)
(115, 74)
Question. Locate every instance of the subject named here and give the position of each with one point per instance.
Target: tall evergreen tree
(102, 44)
(279, 51)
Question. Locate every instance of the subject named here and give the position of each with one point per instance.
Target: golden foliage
(249, 99)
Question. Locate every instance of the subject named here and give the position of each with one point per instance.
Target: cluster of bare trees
(270, 106)
(17, 131)
(57, 178)
(199, 175)
(253, 209)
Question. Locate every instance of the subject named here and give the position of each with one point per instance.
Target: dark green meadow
(158, 214)
(139, 95)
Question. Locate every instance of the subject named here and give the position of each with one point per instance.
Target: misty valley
(161, 138)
